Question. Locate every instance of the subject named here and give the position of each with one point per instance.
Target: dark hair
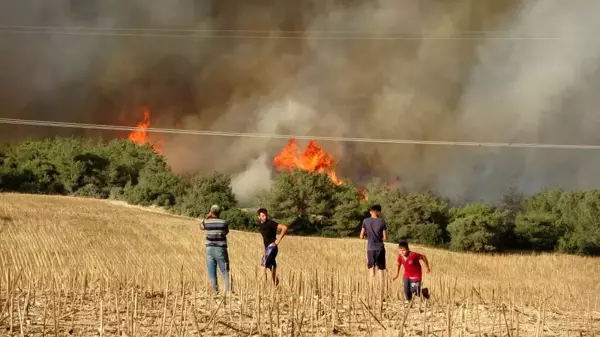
(403, 244)
(375, 207)
(263, 211)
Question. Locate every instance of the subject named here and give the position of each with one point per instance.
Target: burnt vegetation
(550, 220)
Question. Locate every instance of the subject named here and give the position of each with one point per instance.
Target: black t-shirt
(268, 229)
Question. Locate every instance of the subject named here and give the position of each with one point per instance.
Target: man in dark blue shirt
(374, 228)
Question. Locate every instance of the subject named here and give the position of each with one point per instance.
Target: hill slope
(77, 244)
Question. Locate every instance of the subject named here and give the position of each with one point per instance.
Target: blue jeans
(410, 288)
(218, 256)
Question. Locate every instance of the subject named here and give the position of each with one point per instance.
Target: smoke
(412, 75)
(524, 90)
(255, 179)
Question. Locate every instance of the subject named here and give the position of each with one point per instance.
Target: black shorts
(376, 258)
(269, 258)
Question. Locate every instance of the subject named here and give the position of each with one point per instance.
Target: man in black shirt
(268, 229)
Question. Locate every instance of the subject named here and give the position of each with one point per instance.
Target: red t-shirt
(412, 266)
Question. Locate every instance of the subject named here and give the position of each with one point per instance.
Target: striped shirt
(216, 232)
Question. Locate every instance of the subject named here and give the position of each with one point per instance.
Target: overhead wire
(267, 34)
(264, 34)
(15, 121)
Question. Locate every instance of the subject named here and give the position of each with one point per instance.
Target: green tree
(240, 220)
(390, 199)
(347, 215)
(204, 190)
(541, 226)
(304, 200)
(418, 217)
(582, 234)
(477, 228)
(422, 219)
(127, 159)
(156, 185)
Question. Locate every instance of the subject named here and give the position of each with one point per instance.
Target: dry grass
(86, 268)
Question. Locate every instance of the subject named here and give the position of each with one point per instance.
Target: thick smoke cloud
(541, 91)
(429, 83)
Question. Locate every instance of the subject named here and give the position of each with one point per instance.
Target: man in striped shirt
(216, 247)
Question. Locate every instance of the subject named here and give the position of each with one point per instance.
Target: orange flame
(140, 136)
(363, 194)
(312, 159)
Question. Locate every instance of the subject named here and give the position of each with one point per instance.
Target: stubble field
(80, 267)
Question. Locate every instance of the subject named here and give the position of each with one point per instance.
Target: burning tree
(140, 134)
(312, 159)
(308, 194)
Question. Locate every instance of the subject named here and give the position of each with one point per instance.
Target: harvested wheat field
(80, 267)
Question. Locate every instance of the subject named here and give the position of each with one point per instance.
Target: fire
(363, 194)
(312, 159)
(140, 136)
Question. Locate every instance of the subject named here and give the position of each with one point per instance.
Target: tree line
(550, 220)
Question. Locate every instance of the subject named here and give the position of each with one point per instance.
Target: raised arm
(202, 221)
(283, 228)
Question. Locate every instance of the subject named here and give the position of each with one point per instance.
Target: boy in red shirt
(411, 261)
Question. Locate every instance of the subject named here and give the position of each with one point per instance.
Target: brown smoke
(435, 85)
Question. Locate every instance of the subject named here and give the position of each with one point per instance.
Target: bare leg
(380, 278)
(274, 277)
(371, 278)
(372, 274)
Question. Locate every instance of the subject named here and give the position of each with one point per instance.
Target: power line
(282, 136)
(260, 34)
(249, 31)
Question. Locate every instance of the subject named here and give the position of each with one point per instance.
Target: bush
(422, 219)
(538, 230)
(477, 228)
(347, 216)
(90, 191)
(203, 191)
(240, 220)
(417, 217)
(581, 211)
